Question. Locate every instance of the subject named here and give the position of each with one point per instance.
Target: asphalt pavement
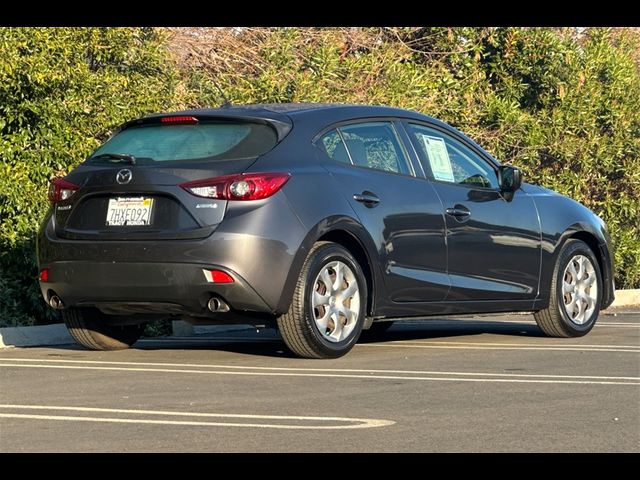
(474, 385)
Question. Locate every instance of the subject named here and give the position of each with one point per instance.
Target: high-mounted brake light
(246, 186)
(60, 189)
(179, 119)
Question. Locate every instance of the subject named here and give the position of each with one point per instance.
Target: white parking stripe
(461, 323)
(306, 369)
(389, 339)
(564, 345)
(597, 325)
(406, 344)
(617, 324)
(352, 423)
(488, 376)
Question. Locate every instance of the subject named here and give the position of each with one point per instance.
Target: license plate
(134, 211)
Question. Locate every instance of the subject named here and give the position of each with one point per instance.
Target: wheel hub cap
(579, 289)
(336, 301)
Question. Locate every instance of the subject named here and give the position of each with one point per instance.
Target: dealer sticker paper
(438, 158)
(129, 211)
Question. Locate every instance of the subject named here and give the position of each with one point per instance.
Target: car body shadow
(267, 342)
(439, 328)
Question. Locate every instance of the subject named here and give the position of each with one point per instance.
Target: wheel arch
(592, 243)
(597, 245)
(348, 233)
(604, 262)
(355, 247)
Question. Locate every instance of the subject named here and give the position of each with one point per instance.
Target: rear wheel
(90, 328)
(576, 293)
(328, 308)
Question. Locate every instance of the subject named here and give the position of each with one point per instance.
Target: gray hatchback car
(320, 219)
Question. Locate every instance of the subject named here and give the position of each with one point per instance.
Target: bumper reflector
(217, 276)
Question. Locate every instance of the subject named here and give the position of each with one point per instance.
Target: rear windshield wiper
(116, 156)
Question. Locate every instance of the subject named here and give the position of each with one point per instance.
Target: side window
(451, 161)
(333, 146)
(375, 145)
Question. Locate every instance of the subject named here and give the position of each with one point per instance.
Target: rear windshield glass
(213, 141)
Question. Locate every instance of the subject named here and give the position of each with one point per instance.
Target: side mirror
(509, 178)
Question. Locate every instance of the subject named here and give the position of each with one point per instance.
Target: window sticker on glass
(438, 158)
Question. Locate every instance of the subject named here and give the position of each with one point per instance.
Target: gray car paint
(499, 261)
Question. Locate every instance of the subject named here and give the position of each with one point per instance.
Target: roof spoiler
(281, 127)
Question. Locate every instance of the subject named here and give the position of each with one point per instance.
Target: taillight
(44, 275)
(246, 186)
(60, 189)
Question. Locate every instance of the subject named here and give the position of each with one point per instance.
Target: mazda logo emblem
(124, 176)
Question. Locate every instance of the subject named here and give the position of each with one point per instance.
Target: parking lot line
(307, 369)
(351, 423)
(337, 373)
(411, 344)
(606, 324)
(568, 345)
(462, 322)
(217, 339)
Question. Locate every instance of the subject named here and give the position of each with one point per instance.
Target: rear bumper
(256, 244)
(169, 287)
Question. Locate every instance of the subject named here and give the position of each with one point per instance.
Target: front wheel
(328, 307)
(91, 329)
(576, 293)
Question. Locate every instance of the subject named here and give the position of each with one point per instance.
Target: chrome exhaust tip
(217, 305)
(56, 302)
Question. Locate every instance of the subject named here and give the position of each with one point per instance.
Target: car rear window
(211, 141)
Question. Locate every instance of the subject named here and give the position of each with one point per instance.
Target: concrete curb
(58, 335)
(626, 298)
(34, 336)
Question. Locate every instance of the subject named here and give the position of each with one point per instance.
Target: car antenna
(226, 103)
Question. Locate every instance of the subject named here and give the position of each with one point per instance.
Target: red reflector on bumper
(217, 276)
(44, 275)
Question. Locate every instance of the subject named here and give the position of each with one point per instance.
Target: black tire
(89, 327)
(298, 327)
(554, 320)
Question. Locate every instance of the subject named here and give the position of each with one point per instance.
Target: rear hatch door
(130, 187)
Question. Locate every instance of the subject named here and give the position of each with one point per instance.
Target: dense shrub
(563, 104)
(61, 91)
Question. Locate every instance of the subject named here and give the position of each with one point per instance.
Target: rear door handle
(460, 212)
(370, 199)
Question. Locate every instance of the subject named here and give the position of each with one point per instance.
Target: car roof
(291, 111)
(313, 116)
(310, 117)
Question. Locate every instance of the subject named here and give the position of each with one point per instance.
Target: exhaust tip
(217, 305)
(56, 302)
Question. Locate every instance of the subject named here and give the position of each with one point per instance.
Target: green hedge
(61, 91)
(563, 105)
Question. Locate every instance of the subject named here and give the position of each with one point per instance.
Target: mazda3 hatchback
(323, 220)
